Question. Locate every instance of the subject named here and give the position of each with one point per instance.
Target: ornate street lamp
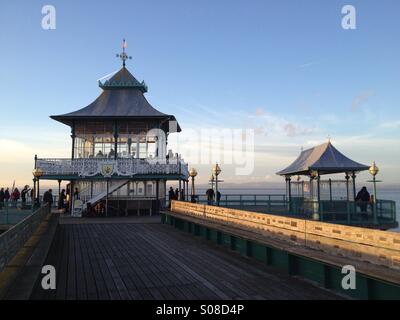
(216, 171)
(37, 173)
(193, 174)
(374, 170)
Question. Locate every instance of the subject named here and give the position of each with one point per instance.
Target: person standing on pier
(15, 197)
(210, 196)
(61, 200)
(48, 198)
(24, 192)
(362, 199)
(1, 198)
(6, 195)
(76, 194)
(171, 195)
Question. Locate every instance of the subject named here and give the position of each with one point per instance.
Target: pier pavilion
(332, 200)
(119, 161)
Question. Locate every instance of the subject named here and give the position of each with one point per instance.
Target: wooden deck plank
(154, 261)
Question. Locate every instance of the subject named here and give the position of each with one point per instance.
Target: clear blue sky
(286, 68)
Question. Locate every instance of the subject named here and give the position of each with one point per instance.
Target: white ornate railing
(87, 167)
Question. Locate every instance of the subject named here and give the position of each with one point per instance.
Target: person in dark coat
(176, 196)
(7, 195)
(48, 197)
(362, 199)
(24, 192)
(61, 199)
(218, 197)
(1, 198)
(210, 196)
(76, 194)
(182, 195)
(15, 195)
(171, 195)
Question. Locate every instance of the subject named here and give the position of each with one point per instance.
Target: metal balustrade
(14, 238)
(88, 167)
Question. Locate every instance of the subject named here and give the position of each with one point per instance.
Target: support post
(115, 140)
(157, 197)
(374, 207)
(73, 140)
(107, 189)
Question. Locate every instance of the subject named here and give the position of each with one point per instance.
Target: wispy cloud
(309, 64)
(362, 98)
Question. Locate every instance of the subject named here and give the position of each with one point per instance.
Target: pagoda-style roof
(325, 159)
(122, 98)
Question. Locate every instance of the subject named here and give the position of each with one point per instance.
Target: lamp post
(193, 174)
(216, 171)
(374, 170)
(37, 173)
(212, 179)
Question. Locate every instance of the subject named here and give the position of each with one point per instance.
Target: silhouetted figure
(48, 198)
(24, 193)
(7, 195)
(362, 199)
(76, 194)
(61, 200)
(210, 196)
(171, 196)
(218, 197)
(1, 198)
(176, 194)
(15, 197)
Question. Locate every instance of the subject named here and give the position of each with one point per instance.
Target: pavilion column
(59, 189)
(289, 191)
(353, 176)
(318, 187)
(320, 214)
(115, 139)
(73, 140)
(330, 189)
(107, 189)
(347, 177)
(157, 196)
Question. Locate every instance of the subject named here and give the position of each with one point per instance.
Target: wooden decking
(154, 261)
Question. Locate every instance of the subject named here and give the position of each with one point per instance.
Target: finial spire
(123, 55)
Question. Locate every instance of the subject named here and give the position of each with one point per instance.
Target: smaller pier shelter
(332, 200)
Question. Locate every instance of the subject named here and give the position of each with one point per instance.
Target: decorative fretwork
(122, 167)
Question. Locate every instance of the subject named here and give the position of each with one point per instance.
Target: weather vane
(123, 55)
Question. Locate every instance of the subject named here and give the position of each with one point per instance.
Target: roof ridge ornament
(123, 55)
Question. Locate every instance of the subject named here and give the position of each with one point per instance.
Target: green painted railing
(15, 237)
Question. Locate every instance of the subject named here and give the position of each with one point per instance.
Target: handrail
(14, 238)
